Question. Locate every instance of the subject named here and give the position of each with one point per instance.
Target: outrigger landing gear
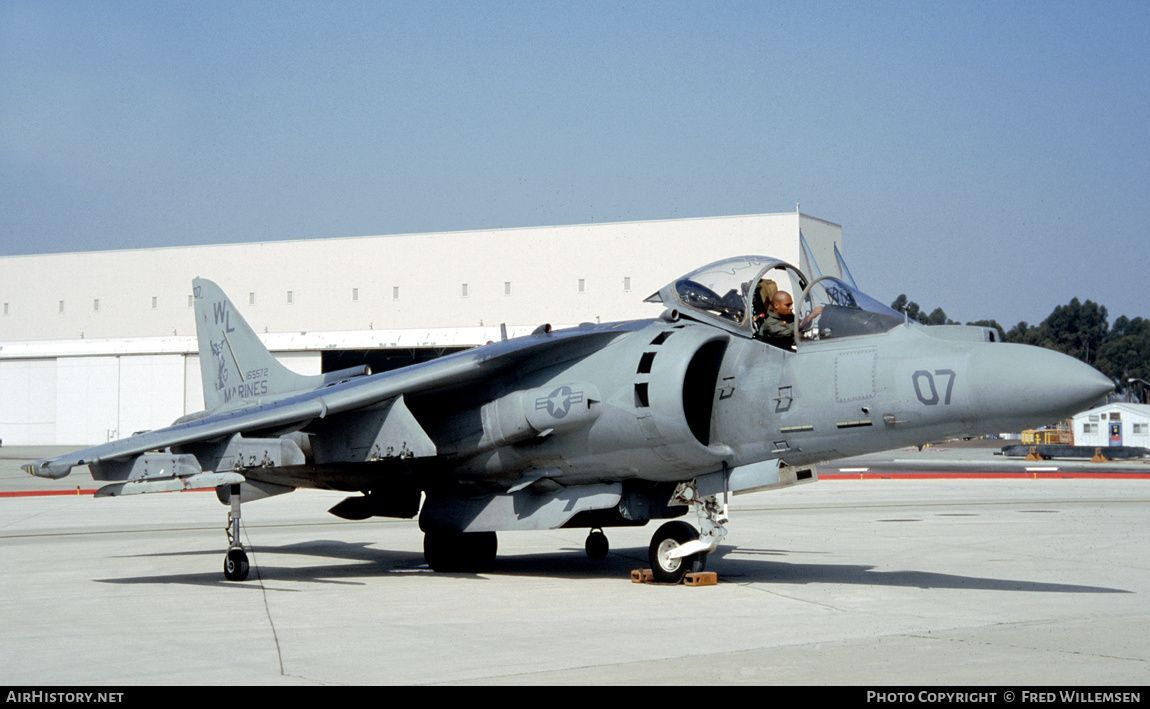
(677, 548)
(597, 545)
(236, 561)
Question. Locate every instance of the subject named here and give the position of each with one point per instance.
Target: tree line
(1081, 330)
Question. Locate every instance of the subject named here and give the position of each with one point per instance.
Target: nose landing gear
(677, 548)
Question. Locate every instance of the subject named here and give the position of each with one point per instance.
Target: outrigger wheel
(236, 565)
(669, 537)
(236, 562)
(597, 545)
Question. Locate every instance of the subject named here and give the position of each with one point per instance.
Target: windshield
(721, 288)
(832, 309)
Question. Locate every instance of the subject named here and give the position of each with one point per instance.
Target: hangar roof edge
(417, 233)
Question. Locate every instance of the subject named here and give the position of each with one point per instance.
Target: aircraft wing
(298, 408)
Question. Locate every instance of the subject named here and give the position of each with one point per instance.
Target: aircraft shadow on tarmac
(738, 570)
(571, 563)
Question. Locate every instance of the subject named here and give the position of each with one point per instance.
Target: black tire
(236, 565)
(667, 538)
(460, 551)
(597, 545)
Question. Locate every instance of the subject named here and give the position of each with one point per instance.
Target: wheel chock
(694, 578)
(701, 578)
(1098, 457)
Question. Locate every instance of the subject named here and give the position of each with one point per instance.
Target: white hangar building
(97, 345)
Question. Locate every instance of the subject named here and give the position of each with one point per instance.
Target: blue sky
(991, 158)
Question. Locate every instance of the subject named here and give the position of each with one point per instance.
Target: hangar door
(87, 396)
(105, 398)
(151, 392)
(27, 402)
(83, 401)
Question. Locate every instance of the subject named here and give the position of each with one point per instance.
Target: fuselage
(671, 400)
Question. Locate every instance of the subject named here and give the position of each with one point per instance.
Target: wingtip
(48, 469)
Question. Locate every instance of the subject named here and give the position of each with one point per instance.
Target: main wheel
(460, 551)
(669, 537)
(236, 565)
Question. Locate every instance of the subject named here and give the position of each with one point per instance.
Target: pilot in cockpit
(778, 327)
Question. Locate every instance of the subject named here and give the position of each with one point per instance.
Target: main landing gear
(236, 562)
(468, 552)
(676, 549)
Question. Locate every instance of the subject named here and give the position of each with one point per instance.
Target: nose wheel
(666, 565)
(677, 548)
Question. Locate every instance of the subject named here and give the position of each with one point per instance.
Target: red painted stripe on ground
(78, 491)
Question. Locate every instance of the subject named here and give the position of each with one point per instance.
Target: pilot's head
(783, 305)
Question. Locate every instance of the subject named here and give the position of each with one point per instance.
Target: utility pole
(1131, 380)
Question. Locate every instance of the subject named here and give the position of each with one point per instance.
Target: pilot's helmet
(766, 293)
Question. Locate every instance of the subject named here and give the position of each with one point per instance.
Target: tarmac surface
(1024, 582)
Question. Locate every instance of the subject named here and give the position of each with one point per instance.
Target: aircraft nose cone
(1033, 386)
(1085, 385)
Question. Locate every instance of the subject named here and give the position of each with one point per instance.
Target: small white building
(1117, 424)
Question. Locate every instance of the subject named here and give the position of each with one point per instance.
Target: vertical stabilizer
(234, 364)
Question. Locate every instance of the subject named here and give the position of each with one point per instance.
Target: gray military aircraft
(594, 426)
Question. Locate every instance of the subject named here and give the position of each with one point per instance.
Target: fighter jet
(596, 426)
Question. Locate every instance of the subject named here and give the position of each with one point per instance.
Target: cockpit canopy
(730, 293)
(735, 294)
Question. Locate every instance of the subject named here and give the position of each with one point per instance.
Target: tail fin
(234, 364)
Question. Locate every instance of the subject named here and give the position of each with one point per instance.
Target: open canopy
(727, 293)
(734, 294)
